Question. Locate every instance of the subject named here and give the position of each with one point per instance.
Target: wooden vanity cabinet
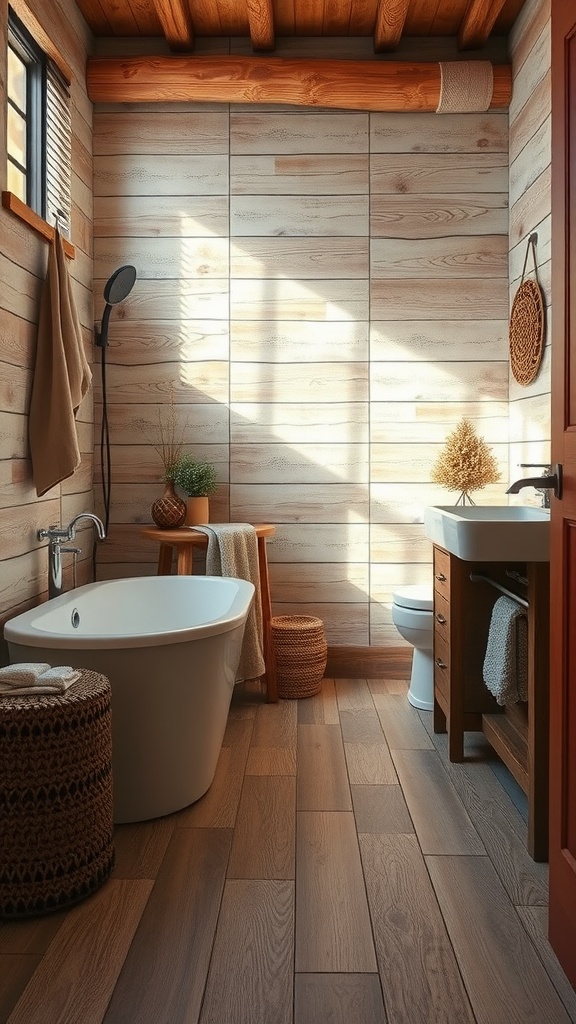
(462, 702)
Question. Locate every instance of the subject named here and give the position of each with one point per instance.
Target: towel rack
(478, 578)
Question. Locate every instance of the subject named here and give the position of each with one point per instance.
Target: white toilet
(413, 617)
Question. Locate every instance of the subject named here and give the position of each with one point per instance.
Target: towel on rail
(233, 551)
(506, 659)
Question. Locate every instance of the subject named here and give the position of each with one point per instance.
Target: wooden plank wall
(530, 206)
(325, 294)
(23, 253)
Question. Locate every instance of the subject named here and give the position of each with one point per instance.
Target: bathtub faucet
(57, 538)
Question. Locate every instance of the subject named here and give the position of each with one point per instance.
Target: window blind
(58, 149)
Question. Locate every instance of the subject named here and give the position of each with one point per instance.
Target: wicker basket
(55, 797)
(300, 652)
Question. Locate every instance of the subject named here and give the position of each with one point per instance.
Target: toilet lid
(418, 596)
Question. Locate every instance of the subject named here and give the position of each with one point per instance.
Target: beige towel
(233, 551)
(62, 377)
(506, 660)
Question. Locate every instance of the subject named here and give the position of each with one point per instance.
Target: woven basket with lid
(301, 653)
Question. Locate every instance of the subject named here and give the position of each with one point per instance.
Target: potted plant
(197, 479)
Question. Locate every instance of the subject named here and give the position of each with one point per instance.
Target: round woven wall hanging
(527, 324)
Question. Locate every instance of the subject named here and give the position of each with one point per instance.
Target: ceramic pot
(197, 511)
(169, 511)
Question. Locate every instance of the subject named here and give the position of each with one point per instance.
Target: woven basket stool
(55, 797)
(300, 651)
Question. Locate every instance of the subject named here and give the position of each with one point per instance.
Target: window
(39, 130)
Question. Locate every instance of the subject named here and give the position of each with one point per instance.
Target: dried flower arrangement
(466, 462)
(170, 437)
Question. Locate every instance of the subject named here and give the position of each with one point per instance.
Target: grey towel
(506, 660)
(233, 551)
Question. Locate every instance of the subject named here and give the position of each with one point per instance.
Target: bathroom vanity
(465, 590)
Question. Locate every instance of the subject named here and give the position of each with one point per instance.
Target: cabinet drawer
(442, 666)
(441, 616)
(441, 571)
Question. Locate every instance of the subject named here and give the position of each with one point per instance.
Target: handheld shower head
(117, 288)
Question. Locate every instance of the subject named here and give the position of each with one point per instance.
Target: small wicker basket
(300, 651)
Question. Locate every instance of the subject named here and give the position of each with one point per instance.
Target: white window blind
(58, 149)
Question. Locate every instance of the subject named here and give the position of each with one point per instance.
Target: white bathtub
(170, 646)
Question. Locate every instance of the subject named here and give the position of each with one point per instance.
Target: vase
(169, 511)
(197, 511)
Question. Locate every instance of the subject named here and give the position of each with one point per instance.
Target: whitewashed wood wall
(23, 253)
(530, 205)
(325, 294)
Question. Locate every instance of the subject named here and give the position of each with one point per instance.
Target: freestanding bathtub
(170, 646)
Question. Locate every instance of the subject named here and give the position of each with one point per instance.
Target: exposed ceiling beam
(390, 19)
(478, 23)
(261, 18)
(174, 16)
(347, 84)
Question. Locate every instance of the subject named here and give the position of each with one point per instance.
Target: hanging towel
(28, 677)
(62, 377)
(233, 551)
(506, 660)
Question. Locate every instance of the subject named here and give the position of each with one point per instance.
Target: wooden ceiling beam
(261, 20)
(478, 23)
(390, 20)
(346, 84)
(174, 16)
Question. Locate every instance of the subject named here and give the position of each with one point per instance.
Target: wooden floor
(338, 870)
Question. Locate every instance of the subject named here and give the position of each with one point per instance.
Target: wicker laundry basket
(300, 652)
(55, 797)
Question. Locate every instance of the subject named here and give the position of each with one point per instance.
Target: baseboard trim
(368, 662)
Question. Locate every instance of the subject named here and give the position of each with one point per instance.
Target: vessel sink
(490, 533)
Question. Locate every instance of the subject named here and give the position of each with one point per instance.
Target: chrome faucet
(57, 538)
(550, 480)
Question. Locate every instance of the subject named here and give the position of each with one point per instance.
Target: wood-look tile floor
(339, 870)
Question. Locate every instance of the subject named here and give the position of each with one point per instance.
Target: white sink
(490, 533)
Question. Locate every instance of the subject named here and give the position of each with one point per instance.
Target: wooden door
(563, 552)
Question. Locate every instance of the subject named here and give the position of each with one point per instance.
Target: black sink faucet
(550, 480)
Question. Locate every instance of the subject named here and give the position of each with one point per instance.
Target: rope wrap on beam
(466, 87)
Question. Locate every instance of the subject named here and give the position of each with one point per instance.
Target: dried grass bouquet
(466, 463)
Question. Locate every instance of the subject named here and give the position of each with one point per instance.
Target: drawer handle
(440, 618)
(440, 663)
(440, 577)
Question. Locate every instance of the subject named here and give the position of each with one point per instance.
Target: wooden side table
(184, 540)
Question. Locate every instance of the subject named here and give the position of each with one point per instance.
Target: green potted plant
(197, 479)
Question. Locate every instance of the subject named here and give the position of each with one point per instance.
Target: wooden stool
(184, 540)
(55, 797)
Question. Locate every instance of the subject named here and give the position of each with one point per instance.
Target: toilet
(413, 617)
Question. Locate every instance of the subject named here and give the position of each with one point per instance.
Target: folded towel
(506, 660)
(24, 678)
(233, 551)
(24, 673)
(60, 675)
